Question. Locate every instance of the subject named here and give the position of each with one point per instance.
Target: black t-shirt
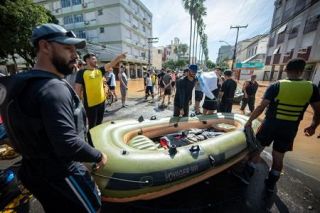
(160, 76)
(228, 88)
(272, 92)
(184, 89)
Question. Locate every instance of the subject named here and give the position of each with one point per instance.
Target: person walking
(167, 87)
(249, 89)
(123, 86)
(47, 125)
(228, 90)
(183, 94)
(149, 87)
(90, 87)
(286, 101)
(111, 82)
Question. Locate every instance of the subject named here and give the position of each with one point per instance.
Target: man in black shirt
(287, 101)
(249, 89)
(183, 94)
(228, 90)
(47, 126)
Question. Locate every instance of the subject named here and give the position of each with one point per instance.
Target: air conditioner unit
(86, 22)
(84, 5)
(302, 51)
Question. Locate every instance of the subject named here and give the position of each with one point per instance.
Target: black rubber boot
(271, 182)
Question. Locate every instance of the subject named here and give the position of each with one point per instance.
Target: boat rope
(120, 179)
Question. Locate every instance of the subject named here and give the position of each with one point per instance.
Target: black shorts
(112, 88)
(209, 104)
(281, 133)
(198, 95)
(167, 91)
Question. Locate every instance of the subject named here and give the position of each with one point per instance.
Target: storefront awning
(282, 29)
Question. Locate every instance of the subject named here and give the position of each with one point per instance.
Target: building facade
(225, 53)
(111, 27)
(157, 55)
(295, 32)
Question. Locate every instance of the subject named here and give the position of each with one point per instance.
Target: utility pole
(235, 45)
(150, 42)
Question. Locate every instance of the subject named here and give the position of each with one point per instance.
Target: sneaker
(245, 175)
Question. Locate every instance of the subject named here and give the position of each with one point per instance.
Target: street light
(150, 42)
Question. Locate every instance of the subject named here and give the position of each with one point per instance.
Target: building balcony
(268, 60)
(304, 53)
(276, 58)
(287, 56)
(281, 37)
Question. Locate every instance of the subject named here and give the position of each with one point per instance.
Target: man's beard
(62, 66)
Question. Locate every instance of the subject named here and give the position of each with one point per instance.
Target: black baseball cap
(56, 33)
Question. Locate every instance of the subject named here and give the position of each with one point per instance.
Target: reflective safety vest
(93, 80)
(292, 99)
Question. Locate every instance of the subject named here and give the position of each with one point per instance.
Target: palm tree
(200, 28)
(189, 6)
(199, 12)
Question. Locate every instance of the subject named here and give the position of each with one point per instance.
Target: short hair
(88, 55)
(296, 64)
(228, 73)
(185, 70)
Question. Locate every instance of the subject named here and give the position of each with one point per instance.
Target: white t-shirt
(148, 81)
(113, 79)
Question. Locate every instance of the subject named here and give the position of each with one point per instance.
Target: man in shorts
(287, 101)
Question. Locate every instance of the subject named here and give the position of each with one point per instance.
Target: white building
(157, 55)
(295, 32)
(111, 26)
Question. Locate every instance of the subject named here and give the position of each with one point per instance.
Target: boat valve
(172, 149)
(194, 148)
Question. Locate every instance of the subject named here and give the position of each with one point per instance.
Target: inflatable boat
(142, 164)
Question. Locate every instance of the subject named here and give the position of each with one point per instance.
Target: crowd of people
(52, 103)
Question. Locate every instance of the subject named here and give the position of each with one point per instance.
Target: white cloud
(171, 20)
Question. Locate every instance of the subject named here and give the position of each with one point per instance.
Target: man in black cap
(228, 90)
(183, 94)
(47, 126)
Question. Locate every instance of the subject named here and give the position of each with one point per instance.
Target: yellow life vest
(93, 80)
(292, 99)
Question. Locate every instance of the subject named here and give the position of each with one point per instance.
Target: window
(100, 12)
(143, 28)
(159, 51)
(101, 29)
(311, 24)
(78, 18)
(69, 3)
(68, 20)
(76, 2)
(80, 34)
(65, 3)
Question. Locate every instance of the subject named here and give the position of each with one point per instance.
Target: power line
(235, 45)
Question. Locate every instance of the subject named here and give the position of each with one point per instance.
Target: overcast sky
(171, 20)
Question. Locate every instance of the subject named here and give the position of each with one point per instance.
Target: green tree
(210, 64)
(17, 19)
(180, 64)
(170, 64)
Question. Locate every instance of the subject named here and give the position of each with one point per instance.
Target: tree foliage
(210, 64)
(17, 19)
(171, 64)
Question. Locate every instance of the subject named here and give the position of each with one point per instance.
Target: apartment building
(111, 27)
(295, 32)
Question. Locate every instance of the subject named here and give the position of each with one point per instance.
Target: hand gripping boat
(140, 169)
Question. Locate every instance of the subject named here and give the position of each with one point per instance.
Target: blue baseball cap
(193, 68)
(56, 33)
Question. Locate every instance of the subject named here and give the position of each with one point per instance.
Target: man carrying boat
(287, 101)
(183, 94)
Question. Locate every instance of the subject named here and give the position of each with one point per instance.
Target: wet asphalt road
(295, 192)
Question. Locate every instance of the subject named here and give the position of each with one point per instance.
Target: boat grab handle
(120, 179)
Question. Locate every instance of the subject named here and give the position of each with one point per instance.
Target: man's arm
(58, 119)
(310, 130)
(79, 89)
(244, 89)
(258, 111)
(115, 61)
